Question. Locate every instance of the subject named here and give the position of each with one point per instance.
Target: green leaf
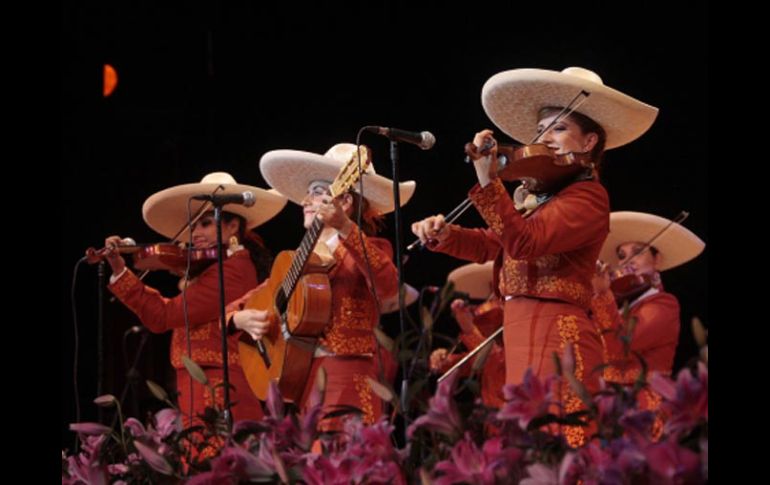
(699, 332)
(579, 389)
(447, 290)
(641, 380)
(382, 338)
(445, 296)
(280, 467)
(473, 386)
(106, 400)
(320, 381)
(427, 318)
(481, 357)
(557, 363)
(195, 371)
(414, 388)
(405, 355)
(153, 458)
(382, 390)
(157, 391)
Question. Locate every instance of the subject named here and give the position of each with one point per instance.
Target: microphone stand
(132, 374)
(399, 267)
(100, 337)
(221, 271)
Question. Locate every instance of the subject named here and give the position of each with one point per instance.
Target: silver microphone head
(249, 199)
(127, 241)
(428, 140)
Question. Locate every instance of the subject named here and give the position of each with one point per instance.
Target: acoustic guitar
(298, 298)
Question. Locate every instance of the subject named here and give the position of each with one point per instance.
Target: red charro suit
(160, 314)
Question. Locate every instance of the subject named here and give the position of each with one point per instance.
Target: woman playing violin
(166, 212)
(631, 276)
(544, 255)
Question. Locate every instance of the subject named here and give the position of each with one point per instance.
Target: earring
(233, 243)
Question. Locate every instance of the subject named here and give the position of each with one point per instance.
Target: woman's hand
(485, 164)
(438, 359)
(113, 257)
(334, 213)
(253, 322)
(430, 229)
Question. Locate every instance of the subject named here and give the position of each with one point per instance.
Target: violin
(170, 257)
(161, 256)
(538, 167)
(627, 285)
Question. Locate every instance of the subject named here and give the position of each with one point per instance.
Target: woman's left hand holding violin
(485, 160)
(113, 257)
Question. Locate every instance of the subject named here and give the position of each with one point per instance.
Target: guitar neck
(347, 176)
(301, 256)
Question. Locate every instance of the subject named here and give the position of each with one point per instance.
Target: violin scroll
(126, 246)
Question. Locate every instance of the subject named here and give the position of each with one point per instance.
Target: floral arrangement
(449, 441)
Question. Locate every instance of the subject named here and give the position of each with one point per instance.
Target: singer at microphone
(244, 198)
(424, 139)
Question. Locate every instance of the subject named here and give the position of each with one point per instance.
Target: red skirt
(346, 384)
(244, 404)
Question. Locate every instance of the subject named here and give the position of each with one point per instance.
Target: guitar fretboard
(301, 256)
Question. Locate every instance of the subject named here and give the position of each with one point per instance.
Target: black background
(212, 87)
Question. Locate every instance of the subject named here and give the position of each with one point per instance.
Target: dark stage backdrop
(212, 87)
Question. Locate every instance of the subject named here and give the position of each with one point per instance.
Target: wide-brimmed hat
(290, 172)
(166, 211)
(677, 245)
(474, 279)
(512, 100)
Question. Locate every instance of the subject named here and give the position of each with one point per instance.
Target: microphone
(424, 139)
(127, 241)
(245, 198)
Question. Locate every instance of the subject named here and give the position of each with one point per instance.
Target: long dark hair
(258, 252)
(371, 221)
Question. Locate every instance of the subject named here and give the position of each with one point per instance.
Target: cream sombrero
(166, 211)
(512, 100)
(677, 245)
(474, 279)
(291, 171)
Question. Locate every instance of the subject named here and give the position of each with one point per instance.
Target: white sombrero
(677, 245)
(391, 304)
(474, 279)
(166, 211)
(290, 172)
(512, 100)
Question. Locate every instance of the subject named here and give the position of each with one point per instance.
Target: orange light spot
(110, 79)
